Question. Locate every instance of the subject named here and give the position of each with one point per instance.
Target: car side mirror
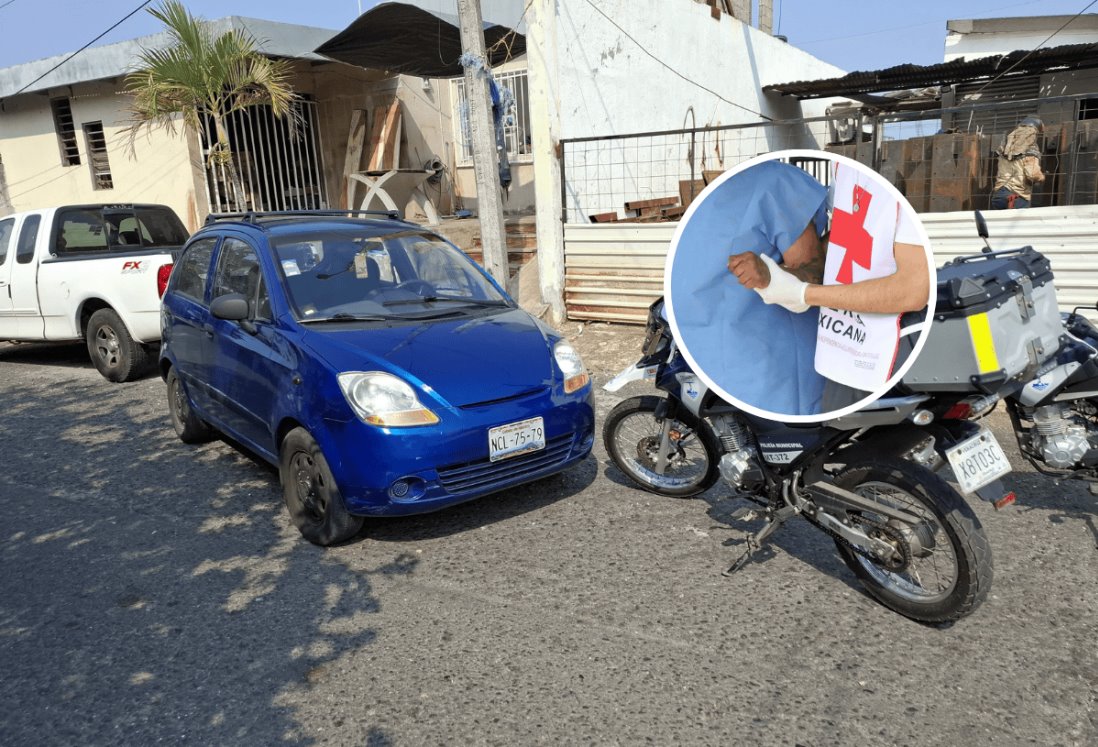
(233, 307)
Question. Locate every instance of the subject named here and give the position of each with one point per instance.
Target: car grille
(508, 398)
(483, 474)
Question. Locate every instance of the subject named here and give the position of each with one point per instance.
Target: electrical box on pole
(483, 137)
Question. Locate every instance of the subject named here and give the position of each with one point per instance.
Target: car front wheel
(311, 494)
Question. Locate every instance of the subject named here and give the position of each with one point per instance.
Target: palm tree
(201, 75)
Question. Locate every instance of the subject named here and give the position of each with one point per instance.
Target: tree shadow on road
(57, 354)
(143, 599)
(52, 354)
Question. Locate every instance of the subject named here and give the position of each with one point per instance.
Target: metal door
(7, 259)
(23, 280)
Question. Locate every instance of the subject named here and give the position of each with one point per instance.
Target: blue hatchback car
(376, 365)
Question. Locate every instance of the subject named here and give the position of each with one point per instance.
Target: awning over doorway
(406, 39)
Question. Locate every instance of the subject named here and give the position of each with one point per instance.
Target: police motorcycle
(866, 479)
(1053, 401)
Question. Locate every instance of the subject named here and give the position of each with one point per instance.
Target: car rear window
(117, 228)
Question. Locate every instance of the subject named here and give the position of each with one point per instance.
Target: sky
(851, 35)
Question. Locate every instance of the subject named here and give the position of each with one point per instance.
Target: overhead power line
(93, 41)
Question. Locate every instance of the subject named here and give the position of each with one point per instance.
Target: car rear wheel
(190, 428)
(311, 494)
(113, 351)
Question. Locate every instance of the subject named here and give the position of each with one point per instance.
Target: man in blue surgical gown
(761, 354)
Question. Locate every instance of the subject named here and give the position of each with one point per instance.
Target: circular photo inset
(800, 285)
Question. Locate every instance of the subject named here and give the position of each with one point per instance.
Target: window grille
(516, 126)
(66, 132)
(97, 155)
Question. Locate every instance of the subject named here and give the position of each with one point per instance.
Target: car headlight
(571, 365)
(383, 399)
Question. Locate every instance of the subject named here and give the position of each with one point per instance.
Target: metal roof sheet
(114, 60)
(1019, 63)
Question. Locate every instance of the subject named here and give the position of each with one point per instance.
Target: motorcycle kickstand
(755, 542)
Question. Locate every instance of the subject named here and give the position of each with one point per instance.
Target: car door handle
(208, 329)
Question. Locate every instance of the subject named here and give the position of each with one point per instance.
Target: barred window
(97, 156)
(516, 121)
(66, 132)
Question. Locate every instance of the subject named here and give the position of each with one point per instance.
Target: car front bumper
(402, 471)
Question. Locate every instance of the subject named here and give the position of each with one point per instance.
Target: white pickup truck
(91, 272)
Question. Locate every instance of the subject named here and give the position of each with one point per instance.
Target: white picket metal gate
(279, 161)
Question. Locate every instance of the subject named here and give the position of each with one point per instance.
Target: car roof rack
(254, 216)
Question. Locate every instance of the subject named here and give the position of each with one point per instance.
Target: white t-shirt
(858, 349)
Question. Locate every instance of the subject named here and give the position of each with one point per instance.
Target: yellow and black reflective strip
(987, 361)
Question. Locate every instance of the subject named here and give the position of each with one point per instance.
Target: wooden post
(355, 139)
(482, 134)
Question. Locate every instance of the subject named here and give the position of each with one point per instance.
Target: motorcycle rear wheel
(948, 568)
(632, 434)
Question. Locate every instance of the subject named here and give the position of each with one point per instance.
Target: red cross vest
(855, 348)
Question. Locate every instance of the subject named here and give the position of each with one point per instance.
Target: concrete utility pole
(541, 49)
(482, 134)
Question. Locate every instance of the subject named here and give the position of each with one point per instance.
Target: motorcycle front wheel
(942, 568)
(633, 434)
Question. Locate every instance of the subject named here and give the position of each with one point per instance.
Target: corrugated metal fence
(614, 271)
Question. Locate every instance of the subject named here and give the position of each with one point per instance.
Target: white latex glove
(785, 289)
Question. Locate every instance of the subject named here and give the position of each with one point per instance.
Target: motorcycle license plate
(506, 441)
(978, 461)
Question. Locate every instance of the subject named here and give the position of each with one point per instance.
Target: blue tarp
(760, 354)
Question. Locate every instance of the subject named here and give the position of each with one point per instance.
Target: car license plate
(978, 461)
(506, 441)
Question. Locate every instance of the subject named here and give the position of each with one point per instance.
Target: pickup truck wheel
(115, 354)
(189, 427)
(311, 494)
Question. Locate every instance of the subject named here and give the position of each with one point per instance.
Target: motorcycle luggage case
(996, 319)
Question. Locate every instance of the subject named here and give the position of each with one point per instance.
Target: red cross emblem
(848, 232)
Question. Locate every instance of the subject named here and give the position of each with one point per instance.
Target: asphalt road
(154, 592)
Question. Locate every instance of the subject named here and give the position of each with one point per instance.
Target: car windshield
(341, 274)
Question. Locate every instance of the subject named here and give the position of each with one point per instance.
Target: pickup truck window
(94, 229)
(6, 227)
(24, 252)
(189, 276)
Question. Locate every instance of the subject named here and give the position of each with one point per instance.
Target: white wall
(158, 171)
(664, 65)
(667, 56)
(999, 36)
